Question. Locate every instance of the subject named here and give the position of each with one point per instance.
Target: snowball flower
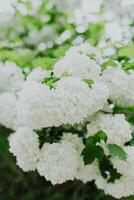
(11, 77)
(87, 173)
(76, 100)
(86, 49)
(75, 140)
(37, 106)
(122, 187)
(113, 31)
(8, 110)
(58, 162)
(24, 144)
(84, 173)
(77, 65)
(125, 167)
(120, 85)
(70, 102)
(38, 74)
(115, 126)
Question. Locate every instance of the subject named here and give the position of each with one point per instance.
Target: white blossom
(125, 167)
(8, 110)
(37, 106)
(24, 144)
(77, 101)
(77, 65)
(124, 186)
(120, 85)
(115, 126)
(37, 74)
(88, 50)
(113, 31)
(120, 188)
(75, 140)
(11, 77)
(58, 162)
(87, 173)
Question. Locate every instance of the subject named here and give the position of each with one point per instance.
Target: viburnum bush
(67, 92)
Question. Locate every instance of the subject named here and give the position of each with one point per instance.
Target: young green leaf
(89, 82)
(100, 135)
(117, 151)
(92, 152)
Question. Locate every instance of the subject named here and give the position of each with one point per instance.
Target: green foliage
(93, 151)
(46, 63)
(59, 52)
(108, 171)
(117, 151)
(50, 80)
(110, 62)
(127, 51)
(89, 82)
(94, 33)
(96, 138)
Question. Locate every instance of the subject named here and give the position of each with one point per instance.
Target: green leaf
(50, 81)
(89, 82)
(127, 51)
(92, 152)
(100, 135)
(108, 171)
(44, 62)
(110, 62)
(117, 151)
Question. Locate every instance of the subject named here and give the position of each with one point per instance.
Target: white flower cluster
(120, 85)
(75, 95)
(122, 187)
(117, 128)
(11, 81)
(71, 100)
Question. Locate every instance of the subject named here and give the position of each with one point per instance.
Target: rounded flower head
(88, 50)
(72, 97)
(24, 144)
(77, 65)
(122, 187)
(58, 162)
(36, 106)
(87, 173)
(38, 74)
(70, 102)
(120, 86)
(115, 126)
(8, 110)
(11, 77)
(75, 140)
(125, 167)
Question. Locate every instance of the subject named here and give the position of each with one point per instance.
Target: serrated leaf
(117, 151)
(100, 135)
(92, 152)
